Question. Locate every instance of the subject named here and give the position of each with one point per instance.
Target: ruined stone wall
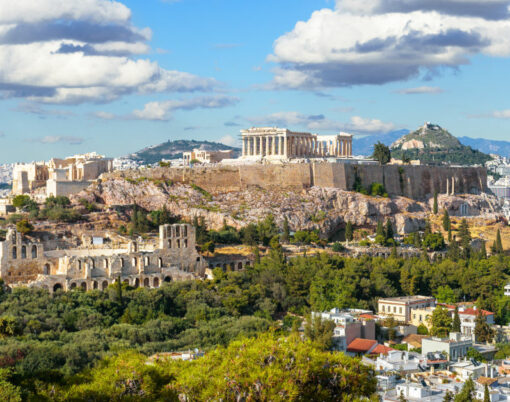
(416, 182)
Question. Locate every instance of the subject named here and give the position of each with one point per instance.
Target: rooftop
(407, 299)
(359, 345)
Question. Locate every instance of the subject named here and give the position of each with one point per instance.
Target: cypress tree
(380, 230)
(286, 231)
(349, 233)
(449, 235)
(256, 253)
(435, 207)
(499, 243)
(456, 321)
(388, 233)
(447, 223)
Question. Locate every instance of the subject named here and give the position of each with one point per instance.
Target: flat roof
(401, 299)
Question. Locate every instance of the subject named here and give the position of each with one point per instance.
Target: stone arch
(160, 262)
(122, 262)
(146, 283)
(34, 251)
(92, 263)
(23, 252)
(168, 279)
(46, 269)
(84, 285)
(126, 281)
(95, 285)
(147, 261)
(155, 283)
(104, 285)
(136, 283)
(73, 285)
(57, 286)
(240, 265)
(79, 265)
(134, 262)
(106, 263)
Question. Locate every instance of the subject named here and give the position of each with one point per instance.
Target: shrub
(24, 226)
(338, 247)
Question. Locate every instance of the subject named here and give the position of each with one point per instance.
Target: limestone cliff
(325, 209)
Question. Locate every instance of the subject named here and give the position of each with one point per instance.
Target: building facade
(27, 263)
(281, 143)
(60, 176)
(456, 346)
(401, 308)
(204, 156)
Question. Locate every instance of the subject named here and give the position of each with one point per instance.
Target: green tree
(465, 238)
(483, 332)
(435, 206)
(382, 153)
(380, 229)
(286, 231)
(448, 396)
(273, 368)
(24, 227)
(441, 322)
(320, 331)
(447, 223)
(388, 232)
(349, 233)
(486, 394)
(8, 391)
(456, 321)
(445, 294)
(422, 330)
(497, 246)
(467, 393)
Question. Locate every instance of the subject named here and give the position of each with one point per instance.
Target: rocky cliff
(325, 209)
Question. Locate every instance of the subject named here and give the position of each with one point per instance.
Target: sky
(116, 76)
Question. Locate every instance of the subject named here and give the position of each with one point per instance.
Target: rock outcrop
(324, 209)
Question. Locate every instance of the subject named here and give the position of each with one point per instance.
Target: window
(185, 243)
(34, 251)
(147, 261)
(14, 253)
(23, 252)
(106, 264)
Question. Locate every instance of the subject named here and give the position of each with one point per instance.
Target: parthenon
(278, 143)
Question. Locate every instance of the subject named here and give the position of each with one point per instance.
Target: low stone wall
(416, 182)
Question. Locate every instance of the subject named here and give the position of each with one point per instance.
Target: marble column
(267, 145)
(273, 140)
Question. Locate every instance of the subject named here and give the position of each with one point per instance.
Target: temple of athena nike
(280, 143)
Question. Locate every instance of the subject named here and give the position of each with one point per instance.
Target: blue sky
(116, 76)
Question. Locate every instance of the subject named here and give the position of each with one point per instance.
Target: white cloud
(501, 114)
(357, 124)
(50, 139)
(76, 51)
(380, 41)
(230, 141)
(162, 110)
(420, 90)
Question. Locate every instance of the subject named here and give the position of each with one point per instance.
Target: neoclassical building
(281, 143)
(27, 263)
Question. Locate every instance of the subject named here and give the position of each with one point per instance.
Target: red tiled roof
(361, 345)
(381, 349)
(472, 311)
(368, 316)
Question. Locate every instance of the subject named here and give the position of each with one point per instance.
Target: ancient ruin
(60, 176)
(278, 143)
(140, 264)
(204, 156)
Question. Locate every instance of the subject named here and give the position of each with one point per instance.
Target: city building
(60, 177)
(467, 368)
(507, 289)
(400, 361)
(35, 263)
(455, 347)
(281, 143)
(468, 318)
(401, 308)
(348, 327)
(204, 156)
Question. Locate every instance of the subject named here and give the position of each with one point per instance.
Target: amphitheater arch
(73, 285)
(146, 283)
(23, 252)
(104, 286)
(168, 279)
(136, 283)
(84, 285)
(155, 283)
(57, 286)
(34, 251)
(95, 285)
(46, 269)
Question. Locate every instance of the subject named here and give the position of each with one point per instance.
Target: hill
(175, 149)
(365, 145)
(433, 144)
(501, 148)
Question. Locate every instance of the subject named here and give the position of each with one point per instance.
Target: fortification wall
(416, 182)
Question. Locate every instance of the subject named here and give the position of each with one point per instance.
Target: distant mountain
(175, 149)
(501, 148)
(365, 145)
(434, 144)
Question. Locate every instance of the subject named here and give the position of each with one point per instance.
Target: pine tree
(483, 332)
(467, 392)
(448, 396)
(483, 251)
(465, 238)
(349, 233)
(456, 321)
(447, 223)
(119, 291)
(394, 253)
(435, 207)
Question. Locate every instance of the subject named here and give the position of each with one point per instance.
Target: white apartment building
(507, 290)
(400, 307)
(456, 346)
